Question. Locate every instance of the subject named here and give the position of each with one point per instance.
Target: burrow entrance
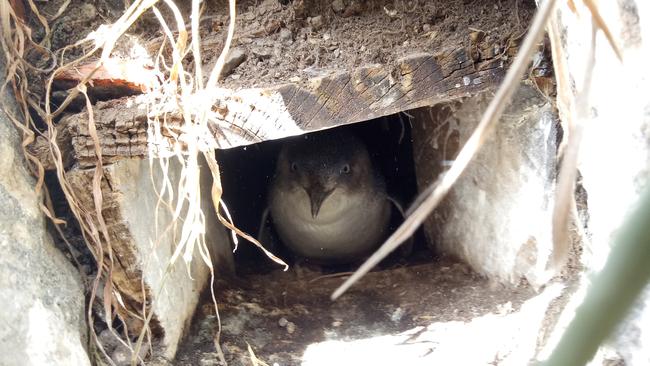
(248, 173)
(287, 318)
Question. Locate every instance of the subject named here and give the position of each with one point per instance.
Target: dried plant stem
(218, 67)
(564, 193)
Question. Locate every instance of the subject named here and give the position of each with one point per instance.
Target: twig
(600, 22)
(331, 275)
(566, 181)
(491, 116)
(216, 71)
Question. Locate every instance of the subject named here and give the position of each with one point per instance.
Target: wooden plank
(257, 114)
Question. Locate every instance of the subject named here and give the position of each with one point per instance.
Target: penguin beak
(316, 197)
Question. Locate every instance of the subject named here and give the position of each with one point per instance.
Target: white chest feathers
(347, 227)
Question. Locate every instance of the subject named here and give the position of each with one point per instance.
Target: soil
(291, 41)
(281, 313)
(308, 38)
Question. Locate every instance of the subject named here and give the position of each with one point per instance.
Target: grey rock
(41, 295)
(512, 174)
(338, 6)
(87, 12)
(122, 354)
(285, 34)
(263, 53)
(316, 22)
(235, 58)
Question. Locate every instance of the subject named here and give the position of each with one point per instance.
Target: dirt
(310, 38)
(290, 41)
(281, 313)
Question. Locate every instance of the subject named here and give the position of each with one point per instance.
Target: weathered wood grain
(258, 114)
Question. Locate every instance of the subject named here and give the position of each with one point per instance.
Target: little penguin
(327, 199)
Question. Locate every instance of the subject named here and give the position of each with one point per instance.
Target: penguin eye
(294, 166)
(345, 169)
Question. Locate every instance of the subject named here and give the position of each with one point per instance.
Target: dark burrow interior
(247, 173)
(287, 318)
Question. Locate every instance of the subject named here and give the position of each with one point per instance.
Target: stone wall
(497, 217)
(41, 295)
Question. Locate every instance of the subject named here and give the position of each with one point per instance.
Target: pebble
(108, 340)
(291, 327)
(209, 359)
(283, 322)
(285, 34)
(338, 6)
(87, 12)
(262, 53)
(122, 355)
(245, 40)
(316, 22)
(235, 57)
(397, 315)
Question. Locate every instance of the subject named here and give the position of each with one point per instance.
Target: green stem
(612, 293)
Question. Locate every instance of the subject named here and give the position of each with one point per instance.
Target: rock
(122, 355)
(485, 219)
(316, 22)
(263, 53)
(285, 34)
(42, 305)
(235, 57)
(108, 340)
(209, 359)
(338, 6)
(283, 322)
(245, 40)
(298, 8)
(277, 51)
(87, 12)
(291, 327)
